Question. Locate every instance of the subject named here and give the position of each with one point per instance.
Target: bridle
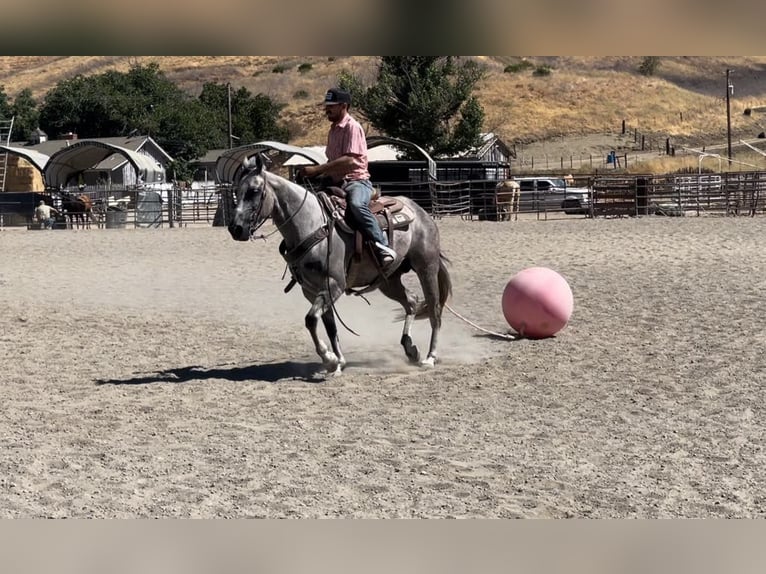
(257, 219)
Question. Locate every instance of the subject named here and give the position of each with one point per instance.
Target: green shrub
(305, 67)
(649, 65)
(543, 70)
(280, 68)
(301, 95)
(518, 67)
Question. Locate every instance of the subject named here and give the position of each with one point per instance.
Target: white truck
(552, 194)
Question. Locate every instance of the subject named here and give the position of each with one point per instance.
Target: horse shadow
(269, 372)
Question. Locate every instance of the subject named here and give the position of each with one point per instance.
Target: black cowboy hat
(336, 96)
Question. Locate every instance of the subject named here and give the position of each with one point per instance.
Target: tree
(5, 108)
(145, 102)
(141, 101)
(80, 104)
(27, 117)
(423, 99)
(253, 117)
(649, 65)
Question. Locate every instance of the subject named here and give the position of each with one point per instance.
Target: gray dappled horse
(325, 258)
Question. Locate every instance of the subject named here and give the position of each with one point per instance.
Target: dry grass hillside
(582, 97)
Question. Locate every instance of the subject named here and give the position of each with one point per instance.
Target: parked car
(552, 194)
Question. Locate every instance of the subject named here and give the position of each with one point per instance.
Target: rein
(324, 232)
(256, 215)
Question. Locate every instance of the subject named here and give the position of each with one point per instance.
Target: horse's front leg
(320, 308)
(328, 318)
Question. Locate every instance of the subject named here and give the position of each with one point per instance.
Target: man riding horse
(347, 167)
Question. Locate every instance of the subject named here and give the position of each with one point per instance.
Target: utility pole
(228, 95)
(729, 90)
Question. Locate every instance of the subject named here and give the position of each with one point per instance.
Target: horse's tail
(445, 288)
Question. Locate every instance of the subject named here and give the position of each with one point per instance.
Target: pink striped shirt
(347, 138)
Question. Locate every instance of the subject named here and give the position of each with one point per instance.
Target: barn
(97, 162)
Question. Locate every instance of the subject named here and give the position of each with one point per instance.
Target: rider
(347, 165)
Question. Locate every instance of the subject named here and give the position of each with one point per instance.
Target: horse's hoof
(331, 364)
(413, 355)
(410, 349)
(428, 363)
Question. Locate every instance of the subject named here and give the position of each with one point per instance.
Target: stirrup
(387, 255)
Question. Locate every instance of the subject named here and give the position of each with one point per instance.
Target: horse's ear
(263, 161)
(256, 162)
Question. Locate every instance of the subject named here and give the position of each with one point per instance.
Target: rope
(507, 336)
(330, 228)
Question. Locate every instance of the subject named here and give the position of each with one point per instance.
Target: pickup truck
(552, 194)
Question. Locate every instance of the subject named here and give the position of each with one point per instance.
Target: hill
(577, 109)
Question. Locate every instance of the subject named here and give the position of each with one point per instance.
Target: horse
(78, 209)
(98, 212)
(507, 199)
(324, 259)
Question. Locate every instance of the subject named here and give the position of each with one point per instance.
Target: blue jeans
(358, 214)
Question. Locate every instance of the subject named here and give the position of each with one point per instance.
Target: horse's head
(255, 202)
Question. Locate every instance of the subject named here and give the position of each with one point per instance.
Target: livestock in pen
(507, 199)
(78, 210)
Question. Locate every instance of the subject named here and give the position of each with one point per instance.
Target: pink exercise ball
(537, 302)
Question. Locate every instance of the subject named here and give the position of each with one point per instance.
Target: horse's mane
(272, 179)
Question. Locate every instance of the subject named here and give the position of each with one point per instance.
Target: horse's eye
(250, 194)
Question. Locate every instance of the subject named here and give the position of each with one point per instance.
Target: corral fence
(474, 199)
(737, 193)
(731, 194)
(117, 208)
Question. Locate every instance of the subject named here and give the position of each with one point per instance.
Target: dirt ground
(164, 373)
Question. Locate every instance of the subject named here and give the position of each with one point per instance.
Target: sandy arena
(164, 373)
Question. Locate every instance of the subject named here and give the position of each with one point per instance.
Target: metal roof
(86, 154)
(487, 141)
(36, 158)
(375, 141)
(230, 162)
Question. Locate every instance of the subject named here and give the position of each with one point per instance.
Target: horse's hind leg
(429, 281)
(320, 308)
(394, 289)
